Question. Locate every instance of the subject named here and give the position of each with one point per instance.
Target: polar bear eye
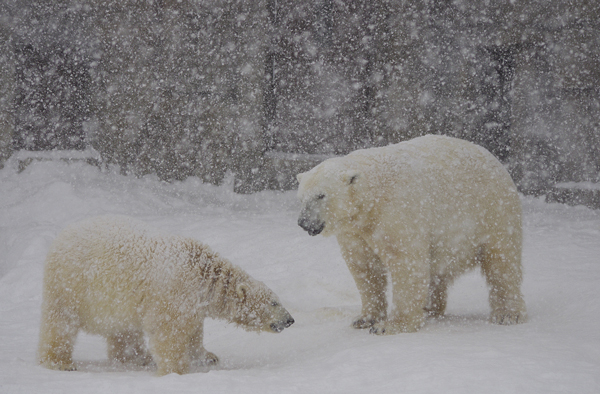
(320, 196)
(274, 303)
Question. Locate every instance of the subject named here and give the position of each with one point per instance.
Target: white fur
(424, 211)
(116, 277)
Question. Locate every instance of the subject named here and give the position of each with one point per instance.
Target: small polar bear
(113, 276)
(423, 211)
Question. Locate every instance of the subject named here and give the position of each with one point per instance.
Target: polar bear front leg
(410, 287)
(197, 350)
(370, 277)
(169, 344)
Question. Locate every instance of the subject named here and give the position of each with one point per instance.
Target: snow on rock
(557, 350)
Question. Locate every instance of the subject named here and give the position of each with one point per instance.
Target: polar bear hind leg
(57, 339)
(438, 296)
(501, 267)
(128, 347)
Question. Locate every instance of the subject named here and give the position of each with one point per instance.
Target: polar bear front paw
(508, 317)
(69, 368)
(362, 322)
(385, 328)
(209, 359)
(59, 366)
(391, 327)
(205, 358)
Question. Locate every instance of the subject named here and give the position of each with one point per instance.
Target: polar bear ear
(350, 177)
(300, 176)
(242, 290)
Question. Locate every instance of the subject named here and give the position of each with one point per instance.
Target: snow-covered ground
(557, 351)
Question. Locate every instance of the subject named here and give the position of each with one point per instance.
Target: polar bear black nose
(289, 322)
(313, 228)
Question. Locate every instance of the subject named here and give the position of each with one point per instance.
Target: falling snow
(167, 110)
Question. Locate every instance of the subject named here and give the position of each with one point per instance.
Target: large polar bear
(114, 276)
(424, 211)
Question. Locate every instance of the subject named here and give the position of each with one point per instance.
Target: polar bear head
(258, 308)
(328, 194)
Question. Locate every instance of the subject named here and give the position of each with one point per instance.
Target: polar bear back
(449, 191)
(105, 267)
(435, 163)
(446, 180)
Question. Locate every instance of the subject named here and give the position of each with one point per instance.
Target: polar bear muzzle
(278, 327)
(309, 220)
